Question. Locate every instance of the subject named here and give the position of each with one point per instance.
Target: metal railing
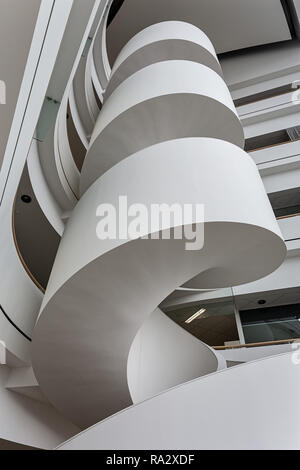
(254, 345)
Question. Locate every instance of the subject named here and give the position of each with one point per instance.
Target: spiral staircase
(103, 352)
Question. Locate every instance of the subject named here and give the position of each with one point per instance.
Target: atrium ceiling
(230, 24)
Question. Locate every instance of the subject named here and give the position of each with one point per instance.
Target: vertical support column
(239, 324)
(49, 30)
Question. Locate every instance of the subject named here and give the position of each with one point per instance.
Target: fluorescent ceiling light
(196, 315)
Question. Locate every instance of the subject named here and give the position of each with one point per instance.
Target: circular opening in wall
(26, 199)
(261, 302)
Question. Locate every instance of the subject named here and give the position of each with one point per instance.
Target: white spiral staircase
(168, 133)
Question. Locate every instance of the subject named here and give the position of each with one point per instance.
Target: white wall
(281, 176)
(290, 228)
(30, 422)
(238, 408)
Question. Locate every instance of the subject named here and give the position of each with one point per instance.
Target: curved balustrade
(100, 292)
(147, 88)
(101, 61)
(169, 40)
(163, 101)
(171, 125)
(241, 408)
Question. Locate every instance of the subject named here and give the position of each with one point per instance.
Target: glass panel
(271, 324)
(286, 202)
(47, 118)
(285, 211)
(211, 319)
(272, 331)
(264, 95)
(87, 46)
(272, 138)
(266, 140)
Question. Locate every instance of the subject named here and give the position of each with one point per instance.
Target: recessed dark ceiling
(230, 24)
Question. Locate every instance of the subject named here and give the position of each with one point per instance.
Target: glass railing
(275, 323)
(214, 319)
(287, 212)
(211, 320)
(282, 90)
(272, 330)
(272, 139)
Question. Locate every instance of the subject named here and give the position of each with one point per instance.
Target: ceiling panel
(230, 24)
(272, 298)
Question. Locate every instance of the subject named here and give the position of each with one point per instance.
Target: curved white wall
(171, 126)
(163, 355)
(100, 292)
(166, 84)
(169, 40)
(249, 407)
(164, 101)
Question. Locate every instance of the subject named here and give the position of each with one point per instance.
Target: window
(271, 323)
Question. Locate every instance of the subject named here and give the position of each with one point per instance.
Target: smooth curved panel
(65, 162)
(82, 96)
(101, 292)
(102, 65)
(164, 101)
(164, 355)
(169, 40)
(240, 408)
